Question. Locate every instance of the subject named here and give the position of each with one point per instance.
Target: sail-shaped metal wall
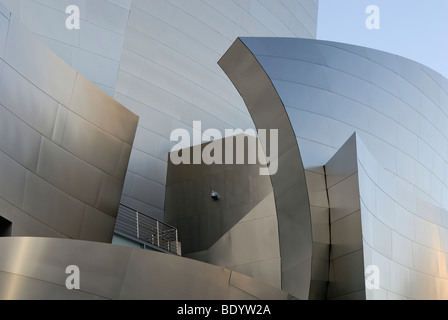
(398, 109)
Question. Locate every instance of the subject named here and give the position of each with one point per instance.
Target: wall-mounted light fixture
(214, 195)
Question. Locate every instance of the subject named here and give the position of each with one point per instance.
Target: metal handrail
(143, 227)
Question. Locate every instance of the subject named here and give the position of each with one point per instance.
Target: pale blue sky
(415, 29)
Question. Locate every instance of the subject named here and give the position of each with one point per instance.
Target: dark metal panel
(97, 226)
(69, 173)
(346, 235)
(109, 195)
(200, 219)
(91, 144)
(52, 206)
(24, 225)
(12, 180)
(18, 140)
(346, 275)
(256, 289)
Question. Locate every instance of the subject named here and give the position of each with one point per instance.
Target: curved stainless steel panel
(398, 109)
(289, 183)
(35, 268)
(64, 144)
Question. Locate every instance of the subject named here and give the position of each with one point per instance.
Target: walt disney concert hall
(348, 198)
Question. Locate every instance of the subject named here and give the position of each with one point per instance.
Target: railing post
(138, 227)
(177, 243)
(158, 234)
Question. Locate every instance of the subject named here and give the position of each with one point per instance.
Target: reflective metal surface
(64, 144)
(63, 162)
(95, 49)
(168, 74)
(35, 268)
(346, 276)
(239, 229)
(397, 198)
(158, 58)
(289, 184)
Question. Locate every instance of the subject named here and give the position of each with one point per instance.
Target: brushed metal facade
(64, 144)
(239, 230)
(398, 109)
(346, 279)
(95, 49)
(169, 75)
(35, 269)
(158, 58)
(66, 177)
(289, 183)
(379, 197)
